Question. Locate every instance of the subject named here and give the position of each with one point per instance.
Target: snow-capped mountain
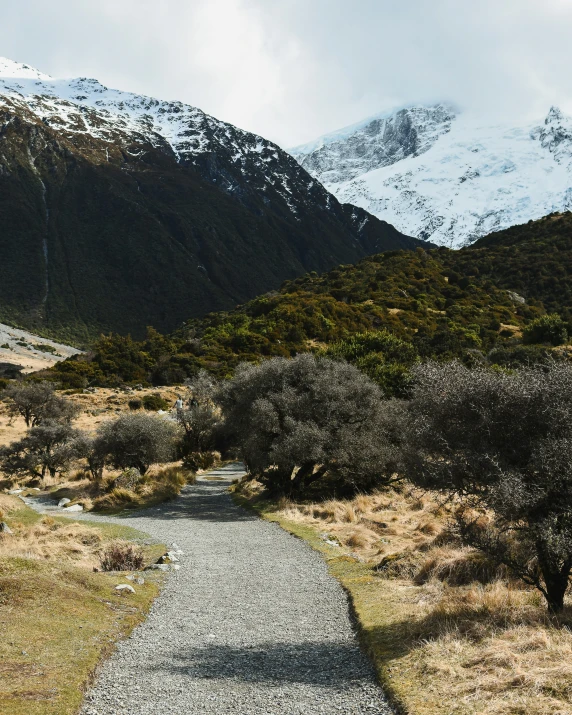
(119, 211)
(444, 176)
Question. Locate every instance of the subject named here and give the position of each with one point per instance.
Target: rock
(125, 588)
(74, 507)
(158, 567)
(137, 579)
(168, 558)
(63, 502)
(4, 528)
(15, 491)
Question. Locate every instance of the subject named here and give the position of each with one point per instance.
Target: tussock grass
(448, 632)
(158, 485)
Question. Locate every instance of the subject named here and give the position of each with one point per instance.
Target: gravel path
(251, 623)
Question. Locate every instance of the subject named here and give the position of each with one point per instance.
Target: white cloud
(294, 69)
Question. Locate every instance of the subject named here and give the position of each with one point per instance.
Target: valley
(285, 431)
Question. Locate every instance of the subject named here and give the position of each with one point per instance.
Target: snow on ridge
(345, 132)
(9, 68)
(84, 106)
(464, 180)
(188, 130)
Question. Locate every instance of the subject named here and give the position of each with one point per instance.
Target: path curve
(251, 623)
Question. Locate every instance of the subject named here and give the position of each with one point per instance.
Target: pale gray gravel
(251, 623)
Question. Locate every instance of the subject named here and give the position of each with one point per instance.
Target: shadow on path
(329, 665)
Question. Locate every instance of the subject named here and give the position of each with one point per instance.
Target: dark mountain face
(118, 212)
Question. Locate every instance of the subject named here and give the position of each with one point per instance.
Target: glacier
(439, 174)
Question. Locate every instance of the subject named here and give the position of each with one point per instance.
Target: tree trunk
(555, 583)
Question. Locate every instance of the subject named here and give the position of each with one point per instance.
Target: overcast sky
(292, 70)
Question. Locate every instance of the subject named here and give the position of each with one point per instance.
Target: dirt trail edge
(251, 623)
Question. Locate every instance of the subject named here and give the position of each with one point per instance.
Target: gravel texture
(251, 623)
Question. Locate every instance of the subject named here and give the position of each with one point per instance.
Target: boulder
(124, 588)
(4, 528)
(63, 502)
(74, 507)
(163, 567)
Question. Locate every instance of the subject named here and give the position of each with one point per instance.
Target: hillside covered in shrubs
(505, 300)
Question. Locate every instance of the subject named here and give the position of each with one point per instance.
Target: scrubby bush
(155, 402)
(48, 448)
(199, 460)
(135, 404)
(200, 423)
(137, 440)
(38, 401)
(546, 329)
(501, 442)
(298, 421)
(121, 556)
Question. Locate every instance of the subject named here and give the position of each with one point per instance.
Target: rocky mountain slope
(119, 211)
(21, 349)
(445, 176)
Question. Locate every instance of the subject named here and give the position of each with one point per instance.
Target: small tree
(93, 450)
(546, 329)
(296, 421)
(199, 423)
(49, 447)
(502, 442)
(137, 440)
(38, 401)
(202, 388)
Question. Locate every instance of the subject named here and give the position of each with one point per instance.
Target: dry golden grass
(52, 540)
(57, 617)
(449, 633)
(158, 485)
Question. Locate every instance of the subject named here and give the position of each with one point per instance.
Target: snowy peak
(556, 135)
(83, 109)
(9, 68)
(447, 177)
(380, 141)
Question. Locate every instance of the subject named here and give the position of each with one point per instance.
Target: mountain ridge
(119, 210)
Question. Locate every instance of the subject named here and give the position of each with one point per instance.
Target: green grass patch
(59, 620)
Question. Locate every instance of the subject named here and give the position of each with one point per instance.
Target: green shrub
(155, 402)
(135, 404)
(546, 329)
